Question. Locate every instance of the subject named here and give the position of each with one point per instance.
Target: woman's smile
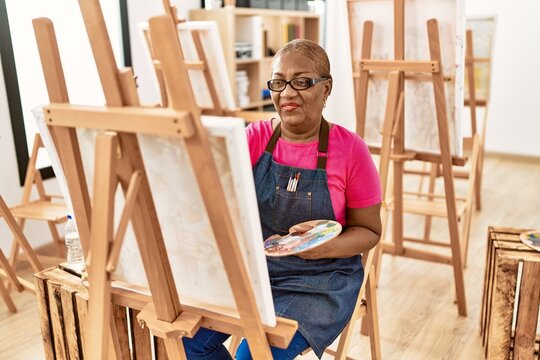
(289, 106)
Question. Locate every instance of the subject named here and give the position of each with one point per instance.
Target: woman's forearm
(353, 241)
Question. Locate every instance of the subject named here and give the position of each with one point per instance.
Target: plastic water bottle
(75, 256)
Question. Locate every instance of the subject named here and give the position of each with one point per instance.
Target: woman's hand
(362, 232)
(300, 228)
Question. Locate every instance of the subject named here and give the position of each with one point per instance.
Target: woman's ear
(328, 88)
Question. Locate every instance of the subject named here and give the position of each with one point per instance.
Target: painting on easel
(187, 233)
(421, 132)
(483, 30)
(211, 45)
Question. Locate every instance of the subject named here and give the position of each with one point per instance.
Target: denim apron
(320, 294)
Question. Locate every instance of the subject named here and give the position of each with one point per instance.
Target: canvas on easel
(420, 121)
(204, 88)
(187, 233)
(430, 70)
(483, 30)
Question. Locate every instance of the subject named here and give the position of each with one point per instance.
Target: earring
(324, 103)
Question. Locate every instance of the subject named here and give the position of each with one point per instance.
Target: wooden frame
(506, 259)
(166, 317)
(400, 155)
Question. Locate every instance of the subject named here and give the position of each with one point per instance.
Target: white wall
(340, 107)
(514, 120)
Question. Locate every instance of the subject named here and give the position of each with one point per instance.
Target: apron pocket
(291, 208)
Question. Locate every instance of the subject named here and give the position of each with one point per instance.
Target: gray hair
(310, 50)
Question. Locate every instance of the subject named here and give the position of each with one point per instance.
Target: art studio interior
(269, 179)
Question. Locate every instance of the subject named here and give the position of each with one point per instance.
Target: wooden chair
(366, 307)
(49, 208)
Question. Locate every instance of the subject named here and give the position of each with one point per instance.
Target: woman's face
(299, 110)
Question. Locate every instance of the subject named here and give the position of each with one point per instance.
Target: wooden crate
(511, 298)
(63, 308)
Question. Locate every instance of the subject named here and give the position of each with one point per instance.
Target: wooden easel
(432, 69)
(474, 152)
(166, 316)
(200, 65)
(473, 102)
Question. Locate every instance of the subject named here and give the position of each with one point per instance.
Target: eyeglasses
(301, 83)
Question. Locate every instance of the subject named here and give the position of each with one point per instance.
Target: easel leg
(345, 339)
(373, 316)
(446, 161)
(467, 216)
(175, 349)
(431, 189)
(99, 306)
(235, 342)
(14, 253)
(7, 299)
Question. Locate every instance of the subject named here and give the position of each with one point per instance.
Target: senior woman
(338, 181)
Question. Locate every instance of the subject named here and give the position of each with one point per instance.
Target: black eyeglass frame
(312, 81)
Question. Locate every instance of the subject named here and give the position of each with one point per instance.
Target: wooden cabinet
(257, 34)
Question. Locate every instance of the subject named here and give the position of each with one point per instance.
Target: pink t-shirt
(353, 180)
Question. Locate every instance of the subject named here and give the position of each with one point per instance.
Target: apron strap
(323, 143)
(274, 139)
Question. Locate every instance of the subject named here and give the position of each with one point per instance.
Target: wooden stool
(512, 275)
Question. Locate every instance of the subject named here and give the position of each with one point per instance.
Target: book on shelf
(290, 32)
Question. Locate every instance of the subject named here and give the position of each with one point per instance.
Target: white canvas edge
(53, 156)
(459, 94)
(232, 129)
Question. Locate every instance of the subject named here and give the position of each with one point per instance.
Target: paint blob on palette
(307, 236)
(531, 239)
